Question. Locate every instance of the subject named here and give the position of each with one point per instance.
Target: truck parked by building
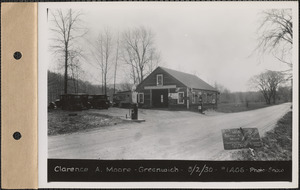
(122, 99)
(76, 101)
(99, 101)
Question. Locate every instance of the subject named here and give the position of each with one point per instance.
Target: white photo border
(43, 58)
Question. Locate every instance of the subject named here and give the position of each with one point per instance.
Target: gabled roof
(189, 80)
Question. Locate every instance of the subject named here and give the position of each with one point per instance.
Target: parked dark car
(52, 106)
(99, 101)
(122, 99)
(74, 102)
(58, 103)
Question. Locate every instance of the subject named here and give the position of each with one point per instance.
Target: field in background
(277, 143)
(239, 107)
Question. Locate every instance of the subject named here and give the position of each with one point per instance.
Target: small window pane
(180, 98)
(194, 97)
(204, 98)
(141, 98)
(159, 79)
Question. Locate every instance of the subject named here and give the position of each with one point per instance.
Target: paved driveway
(165, 135)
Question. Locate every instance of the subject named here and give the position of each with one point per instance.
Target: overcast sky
(213, 42)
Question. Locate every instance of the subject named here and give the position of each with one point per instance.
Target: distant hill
(121, 86)
(56, 87)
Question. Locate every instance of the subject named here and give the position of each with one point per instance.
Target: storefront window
(180, 97)
(213, 98)
(209, 98)
(194, 97)
(204, 98)
(141, 98)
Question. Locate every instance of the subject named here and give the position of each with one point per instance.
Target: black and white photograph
(170, 81)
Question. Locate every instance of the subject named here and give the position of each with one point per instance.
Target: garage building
(167, 88)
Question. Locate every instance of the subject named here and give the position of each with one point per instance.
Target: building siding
(151, 80)
(168, 80)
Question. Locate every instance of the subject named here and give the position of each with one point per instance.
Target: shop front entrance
(160, 98)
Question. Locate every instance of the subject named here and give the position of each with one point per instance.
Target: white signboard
(173, 95)
(134, 97)
(133, 88)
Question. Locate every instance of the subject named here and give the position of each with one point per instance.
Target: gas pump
(134, 111)
(200, 107)
(134, 106)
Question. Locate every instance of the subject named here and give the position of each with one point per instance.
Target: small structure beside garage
(168, 88)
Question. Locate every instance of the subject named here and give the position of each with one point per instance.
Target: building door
(160, 98)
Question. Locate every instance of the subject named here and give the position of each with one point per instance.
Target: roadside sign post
(239, 138)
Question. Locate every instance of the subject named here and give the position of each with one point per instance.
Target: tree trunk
(115, 78)
(102, 83)
(268, 99)
(105, 85)
(66, 72)
(274, 97)
(142, 76)
(116, 66)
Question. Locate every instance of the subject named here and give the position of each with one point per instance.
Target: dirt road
(165, 135)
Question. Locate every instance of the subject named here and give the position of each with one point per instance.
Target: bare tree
(102, 52)
(268, 83)
(154, 61)
(220, 87)
(76, 70)
(67, 29)
(128, 59)
(225, 95)
(284, 94)
(276, 35)
(125, 86)
(116, 63)
(139, 52)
